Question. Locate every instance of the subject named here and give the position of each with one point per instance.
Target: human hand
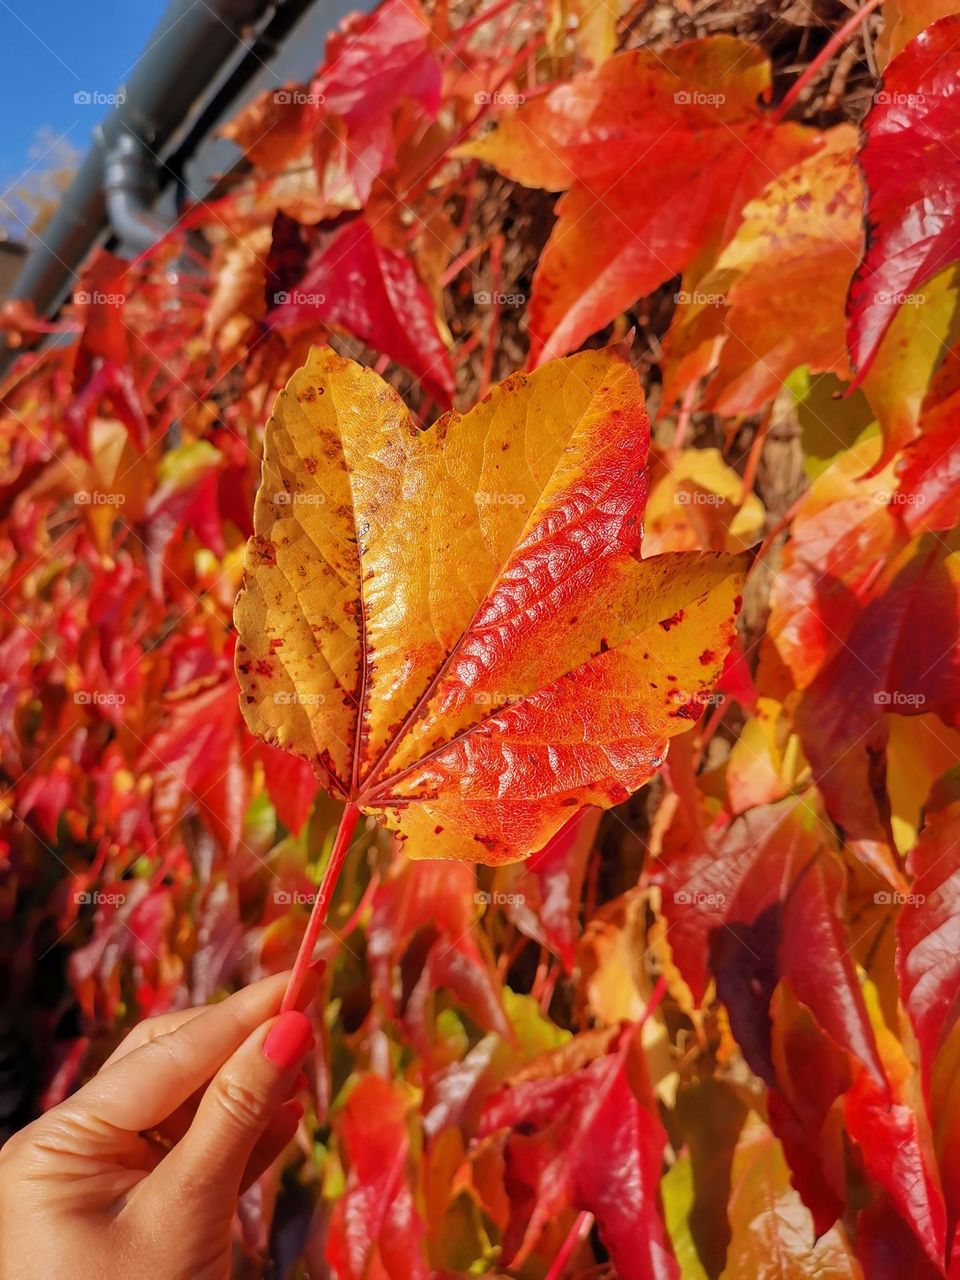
(138, 1173)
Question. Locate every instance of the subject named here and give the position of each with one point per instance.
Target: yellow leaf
(453, 626)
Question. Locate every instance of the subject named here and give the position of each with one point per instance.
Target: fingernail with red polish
(288, 1040)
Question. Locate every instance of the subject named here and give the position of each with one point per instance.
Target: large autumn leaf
(909, 163)
(454, 625)
(657, 152)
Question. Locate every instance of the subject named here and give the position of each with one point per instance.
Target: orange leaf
(660, 151)
(780, 286)
(454, 626)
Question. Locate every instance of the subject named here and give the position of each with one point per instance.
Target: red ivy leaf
(909, 163)
(372, 290)
(590, 1139)
(376, 1229)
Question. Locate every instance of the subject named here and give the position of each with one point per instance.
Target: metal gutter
(199, 59)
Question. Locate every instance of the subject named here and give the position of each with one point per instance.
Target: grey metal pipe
(167, 95)
(189, 47)
(131, 185)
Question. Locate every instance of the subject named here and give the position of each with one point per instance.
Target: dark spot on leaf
(263, 551)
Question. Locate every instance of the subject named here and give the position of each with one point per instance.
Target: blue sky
(52, 50)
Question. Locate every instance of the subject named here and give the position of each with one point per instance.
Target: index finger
(142, 1088)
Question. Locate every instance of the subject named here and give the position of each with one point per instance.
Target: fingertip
(289, 1040)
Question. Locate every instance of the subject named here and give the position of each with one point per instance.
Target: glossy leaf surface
(453, 625)
(909, 166)
(656, 163)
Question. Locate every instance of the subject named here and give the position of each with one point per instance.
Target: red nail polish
(288, 1040)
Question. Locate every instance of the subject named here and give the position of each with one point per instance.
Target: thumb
(209, 1161)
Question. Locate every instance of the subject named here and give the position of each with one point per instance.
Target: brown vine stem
(318, 915)
(836, 41)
